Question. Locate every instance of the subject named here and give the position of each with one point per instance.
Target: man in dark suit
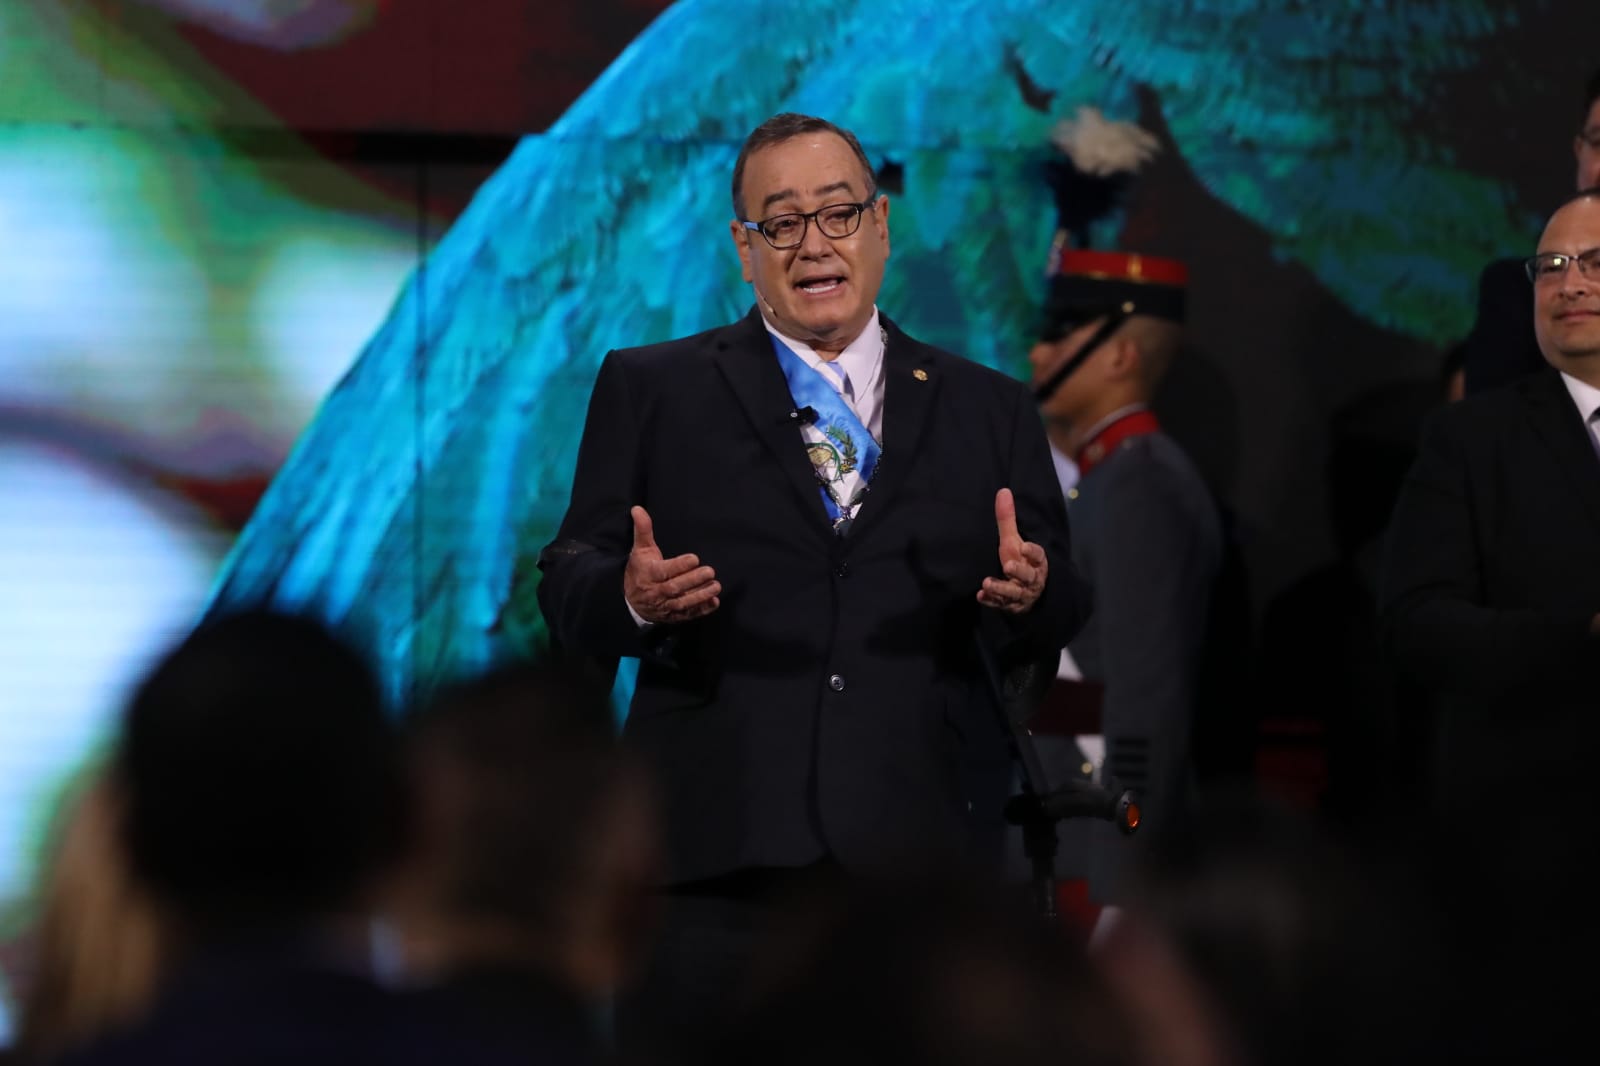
(1492, 583)
(1500, 347)
(811, 693)
(1491, 604)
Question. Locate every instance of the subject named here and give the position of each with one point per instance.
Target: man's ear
(1126, 359)
(741, 244)
(880, 218)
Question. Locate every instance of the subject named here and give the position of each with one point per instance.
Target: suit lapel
(909, 386)
(745, 358)
(1557, 421)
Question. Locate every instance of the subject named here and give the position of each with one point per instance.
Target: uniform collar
(1125, 423)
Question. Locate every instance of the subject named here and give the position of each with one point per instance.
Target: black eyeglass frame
(808, 217)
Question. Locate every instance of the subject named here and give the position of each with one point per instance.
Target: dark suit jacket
(1491, 578)
(828, 707)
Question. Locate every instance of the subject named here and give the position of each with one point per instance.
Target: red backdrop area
(469, 66)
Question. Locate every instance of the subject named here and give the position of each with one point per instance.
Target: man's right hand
(666, 590)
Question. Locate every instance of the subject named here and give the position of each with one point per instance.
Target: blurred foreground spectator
(263, 799)
(101, 941)
(1258, 941)
(924, 973)
(525, 899)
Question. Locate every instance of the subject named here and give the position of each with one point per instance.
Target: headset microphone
(770, 312)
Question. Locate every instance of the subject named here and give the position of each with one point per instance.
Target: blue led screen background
(236, 251)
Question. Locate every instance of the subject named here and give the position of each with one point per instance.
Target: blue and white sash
(836, 443)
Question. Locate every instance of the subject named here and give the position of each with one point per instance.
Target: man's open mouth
(819, 286)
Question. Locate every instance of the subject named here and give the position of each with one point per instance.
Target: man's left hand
(1023, 562)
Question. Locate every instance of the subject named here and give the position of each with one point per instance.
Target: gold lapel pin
(920, 374)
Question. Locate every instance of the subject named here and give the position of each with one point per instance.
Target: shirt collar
(861, 359)
(1066, 470)
(1586, 396)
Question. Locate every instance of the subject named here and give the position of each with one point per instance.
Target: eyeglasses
(834, 220)
(1549, 266)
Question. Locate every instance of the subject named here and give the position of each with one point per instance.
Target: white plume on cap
(1100, 148)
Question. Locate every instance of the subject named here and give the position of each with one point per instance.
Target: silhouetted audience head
(101, 943)
(534, 840)
(1258, 940)
(261, 775)
(928, 972)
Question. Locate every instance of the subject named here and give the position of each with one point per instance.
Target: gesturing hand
(1023, 562)
(666, 590)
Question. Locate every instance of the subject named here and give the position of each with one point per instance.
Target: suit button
(836, 682)
(842, 570)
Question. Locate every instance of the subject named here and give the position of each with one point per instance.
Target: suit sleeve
(1153, 578)
(580, 592)
(1435, 623)
(1063, 607)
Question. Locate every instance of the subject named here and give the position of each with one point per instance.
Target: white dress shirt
(1587, 397)
(1066, 472)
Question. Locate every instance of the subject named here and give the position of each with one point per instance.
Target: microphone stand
(1038, 807)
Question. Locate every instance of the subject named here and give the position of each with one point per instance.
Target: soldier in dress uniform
(1147, 536)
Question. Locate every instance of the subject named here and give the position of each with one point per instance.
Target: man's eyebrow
(789, 194)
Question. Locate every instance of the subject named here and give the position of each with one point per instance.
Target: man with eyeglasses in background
(1491, 605)
(799, 523)
(1500, 348)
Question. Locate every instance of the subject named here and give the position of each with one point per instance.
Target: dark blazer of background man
(806, 694)
(1491, 589)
